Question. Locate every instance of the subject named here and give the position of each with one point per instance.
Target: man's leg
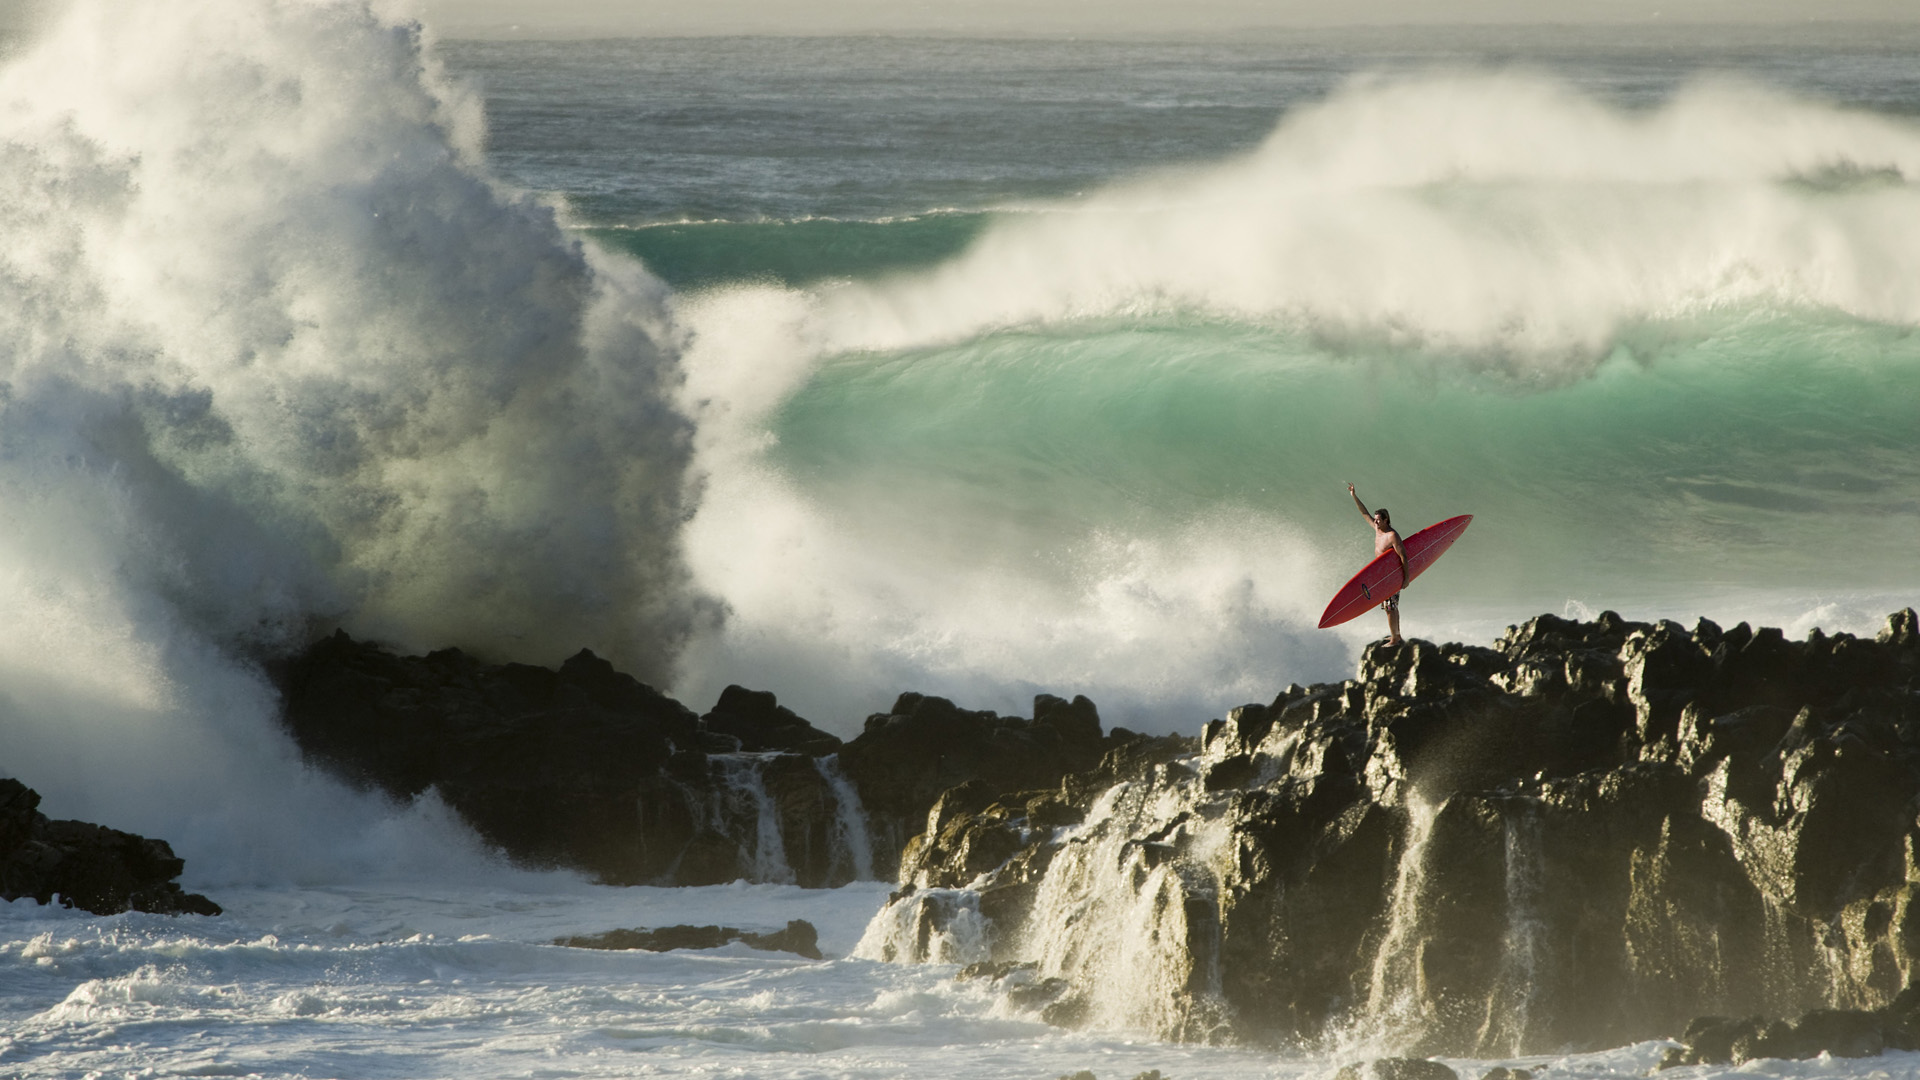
(1393, 621)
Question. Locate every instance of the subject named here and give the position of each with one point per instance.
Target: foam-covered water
(431, 980)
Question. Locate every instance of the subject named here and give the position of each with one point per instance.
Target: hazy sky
(1159, 17)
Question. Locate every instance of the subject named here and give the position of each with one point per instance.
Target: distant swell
(1496, 215)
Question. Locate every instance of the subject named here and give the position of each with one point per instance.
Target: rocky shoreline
(91, 867)
(1586, 835)
(588, 768)
(1581, 837)
(798, 937)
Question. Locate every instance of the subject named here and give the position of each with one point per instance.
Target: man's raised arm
(1364, 512)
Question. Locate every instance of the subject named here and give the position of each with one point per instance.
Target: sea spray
(937, 926)
(278, 352)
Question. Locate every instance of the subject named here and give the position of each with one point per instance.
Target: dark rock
(799, 937)
(87, 866)
(1715, 1040)
(759, 723)
(587, 767)
(664, 939)
(1847, 1033)
(991, 971)
(1397, 1069)
(564, 767)
(1902, 631)
(1035, 994)
(1077, 721)
(963, 839)
(1710, 1040)
(1576, 838)
(908, 757)
(1770, 1039)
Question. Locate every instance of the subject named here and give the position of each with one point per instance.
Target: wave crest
(1504, 217)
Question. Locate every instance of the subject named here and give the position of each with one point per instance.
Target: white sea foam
(432, 979)
(1473, 212)
(428, 979)
(276, 351)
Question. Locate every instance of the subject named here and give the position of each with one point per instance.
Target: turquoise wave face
(1747, 452)
(1666, 358)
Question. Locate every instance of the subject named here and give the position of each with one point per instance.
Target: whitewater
(840, 368)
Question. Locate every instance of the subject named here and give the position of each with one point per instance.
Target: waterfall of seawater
(745, 797)
(1129, 913)
(852, 846)
(1394, 1014)
(1522, 947)
(938, 926)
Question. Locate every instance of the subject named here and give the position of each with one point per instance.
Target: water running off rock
(1583, 836)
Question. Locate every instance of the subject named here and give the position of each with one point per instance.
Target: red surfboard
(1381, 578)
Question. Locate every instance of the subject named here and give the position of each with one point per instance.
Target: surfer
(1385, 537)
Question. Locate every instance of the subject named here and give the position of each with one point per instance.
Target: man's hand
(1363, 506)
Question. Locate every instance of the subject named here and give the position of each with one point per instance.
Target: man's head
(1385, 519)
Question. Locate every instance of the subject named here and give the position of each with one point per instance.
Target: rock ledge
(87, 866)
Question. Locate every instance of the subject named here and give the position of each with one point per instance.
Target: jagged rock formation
(798, 937)
(1852, 1033)
(1579, 837)
(589, 768)
(923, 746)
(1397, 1069)
(87, 866)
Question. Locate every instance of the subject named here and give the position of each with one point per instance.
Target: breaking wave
(277, 353)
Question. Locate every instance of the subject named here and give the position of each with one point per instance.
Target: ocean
(846, 366)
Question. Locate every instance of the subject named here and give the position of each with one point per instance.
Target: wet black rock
(87, 866)
(798, 936)
(586, 767)
(759, 723)
(1397, 1069)
(907, 757)
(1841, 1033)
(1578, 837)
(573, 767)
